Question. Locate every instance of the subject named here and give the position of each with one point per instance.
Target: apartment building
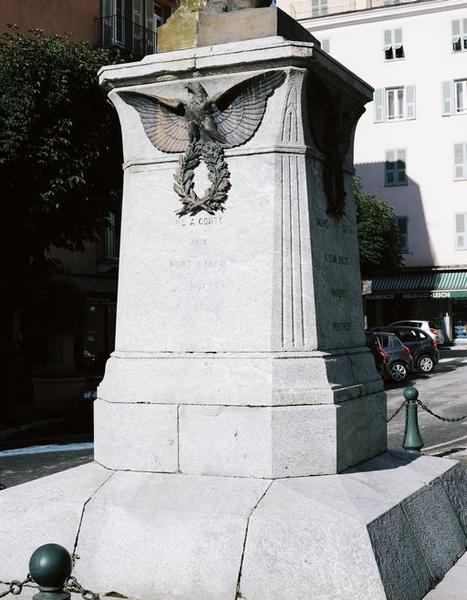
(411, 144)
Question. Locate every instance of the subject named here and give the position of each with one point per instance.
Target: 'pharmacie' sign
(419, 295)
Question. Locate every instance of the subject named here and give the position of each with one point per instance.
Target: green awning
(434, 284)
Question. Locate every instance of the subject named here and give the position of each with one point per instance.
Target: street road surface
(24, 464)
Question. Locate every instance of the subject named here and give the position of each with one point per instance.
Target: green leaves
(60, 149)
(378, 236)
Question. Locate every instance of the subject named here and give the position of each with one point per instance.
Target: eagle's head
(196, 89)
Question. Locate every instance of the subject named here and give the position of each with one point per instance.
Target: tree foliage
(378, 235)
(59, 152)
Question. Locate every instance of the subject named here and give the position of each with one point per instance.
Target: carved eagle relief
(201, 128)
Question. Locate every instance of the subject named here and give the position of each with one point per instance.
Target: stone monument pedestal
(240, 348)
(241, 372)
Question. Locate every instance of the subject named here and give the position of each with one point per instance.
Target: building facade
(411, 144)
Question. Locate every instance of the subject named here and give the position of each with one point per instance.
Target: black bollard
(50, 566)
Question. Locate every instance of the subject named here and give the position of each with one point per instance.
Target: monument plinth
(240, 370)
(239, 328)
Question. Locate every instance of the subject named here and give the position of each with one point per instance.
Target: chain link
(72, 585)
(15, 587)
(397, 411)
(433, 414)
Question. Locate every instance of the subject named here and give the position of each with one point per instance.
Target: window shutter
(379, 105)
(149, 26)
(459, 161)
(397, 38)
(387, 39)
(390, 168)
(400, 166)
(325, 45)
(107, 8)
(149, 15)
(410, 102)
(447, 98)
(460, 231)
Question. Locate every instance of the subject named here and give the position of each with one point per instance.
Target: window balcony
(117, 32)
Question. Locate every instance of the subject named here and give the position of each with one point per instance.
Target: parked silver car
(432, 327)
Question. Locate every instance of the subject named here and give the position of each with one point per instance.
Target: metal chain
(428, 410)
(397, 411)
(72, 585)
(15, 587)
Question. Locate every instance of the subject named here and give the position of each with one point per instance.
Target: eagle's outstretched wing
(239, 111)
(163, 120)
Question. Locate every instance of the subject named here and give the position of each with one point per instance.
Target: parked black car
(393, 359)
(422, 346)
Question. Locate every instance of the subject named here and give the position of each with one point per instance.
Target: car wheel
(425, 364)
(398, 371)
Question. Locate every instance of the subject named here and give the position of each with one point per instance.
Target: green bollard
(412, 439)
(50, 566)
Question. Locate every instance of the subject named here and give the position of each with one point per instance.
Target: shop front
(438, 296)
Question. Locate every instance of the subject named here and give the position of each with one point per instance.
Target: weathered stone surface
(42, 511)
(434, 522)
(316, 537)
(455, 484)
(162, 537)
(256, 379)
(291, 441)
(193, 25)
(141, 437)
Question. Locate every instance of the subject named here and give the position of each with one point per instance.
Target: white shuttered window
(393, 47)
(454, 97)
(459, 35)
(392, 104)
(319, 8)
(394, 167)
(460, 161)
(461, 230)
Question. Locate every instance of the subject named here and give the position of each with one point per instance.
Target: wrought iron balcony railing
(118, 32)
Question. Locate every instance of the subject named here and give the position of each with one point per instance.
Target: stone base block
(387, 529)
(240, 379)
(136, 437)
(240, 441)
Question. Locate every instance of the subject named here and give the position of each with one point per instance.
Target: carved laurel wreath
(218, 173)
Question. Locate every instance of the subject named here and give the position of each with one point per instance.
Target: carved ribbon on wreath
(201, 128)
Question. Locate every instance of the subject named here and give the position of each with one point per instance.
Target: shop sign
(381, 297)
(420, 295)
(435, 295)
